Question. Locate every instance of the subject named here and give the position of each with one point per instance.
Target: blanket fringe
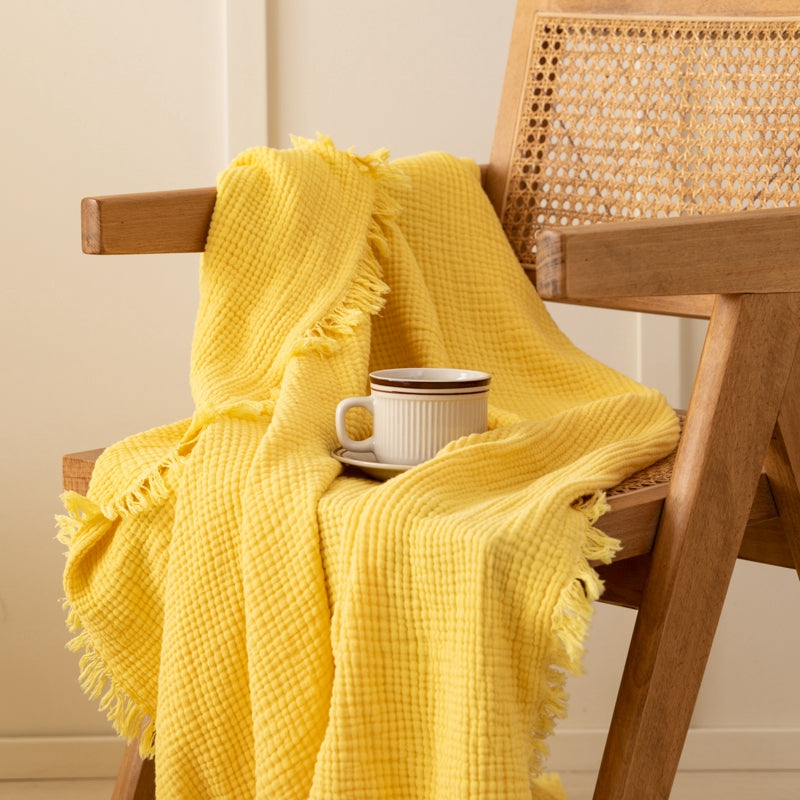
(571, 620)
(126, 715)
(81, 514)
(366, 294)
(151, 491)
(85, 522)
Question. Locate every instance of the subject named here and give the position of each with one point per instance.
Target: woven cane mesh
(650, 118)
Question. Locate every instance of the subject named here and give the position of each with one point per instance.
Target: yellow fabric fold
(295, 631)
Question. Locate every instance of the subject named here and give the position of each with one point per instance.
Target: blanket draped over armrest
(291, 630)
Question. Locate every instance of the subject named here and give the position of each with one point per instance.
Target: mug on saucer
(416, 411)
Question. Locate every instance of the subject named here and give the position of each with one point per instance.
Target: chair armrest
(149, 222)
(77, 468)
(734, 253)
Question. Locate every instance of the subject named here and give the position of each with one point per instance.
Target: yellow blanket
(292, 631)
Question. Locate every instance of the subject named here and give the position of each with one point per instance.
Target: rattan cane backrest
(619, 117)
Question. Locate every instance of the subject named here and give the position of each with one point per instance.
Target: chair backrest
(617, 110)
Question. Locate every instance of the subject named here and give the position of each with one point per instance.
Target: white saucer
(368, 463)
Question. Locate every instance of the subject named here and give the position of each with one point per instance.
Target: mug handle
(362, 445)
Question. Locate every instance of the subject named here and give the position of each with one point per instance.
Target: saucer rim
(380, 470)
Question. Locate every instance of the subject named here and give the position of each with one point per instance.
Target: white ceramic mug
(416, 411)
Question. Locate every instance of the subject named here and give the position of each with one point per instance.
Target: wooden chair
(675, 123)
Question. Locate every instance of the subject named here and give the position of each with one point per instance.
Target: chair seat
(633, 517)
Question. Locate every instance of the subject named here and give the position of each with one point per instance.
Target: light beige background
(104, 96)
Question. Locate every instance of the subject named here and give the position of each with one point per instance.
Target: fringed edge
(572, 617)
(153, 487)
(82, 515)
(149, 491)
(85, 519)
(129, 719)
(366, 294)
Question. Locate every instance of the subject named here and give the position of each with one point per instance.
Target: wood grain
(148, 222)
(749, 351)
(76, 470)
(783, 464)
(136, 778)
(735, 253)
(693, 306)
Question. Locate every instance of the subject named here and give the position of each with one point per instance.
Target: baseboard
(49, 757)
(709, 749)
(706, 749)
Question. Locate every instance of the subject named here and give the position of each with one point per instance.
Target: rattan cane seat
(655, 475)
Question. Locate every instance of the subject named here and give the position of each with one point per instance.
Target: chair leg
(714, 481)
(783, 463)
(136, 779)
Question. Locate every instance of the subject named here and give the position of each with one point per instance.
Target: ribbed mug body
(410, 428)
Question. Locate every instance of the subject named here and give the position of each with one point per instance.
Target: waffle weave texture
(293, 631)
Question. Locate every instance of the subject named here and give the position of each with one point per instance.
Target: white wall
(98, 96)
(104, 96)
